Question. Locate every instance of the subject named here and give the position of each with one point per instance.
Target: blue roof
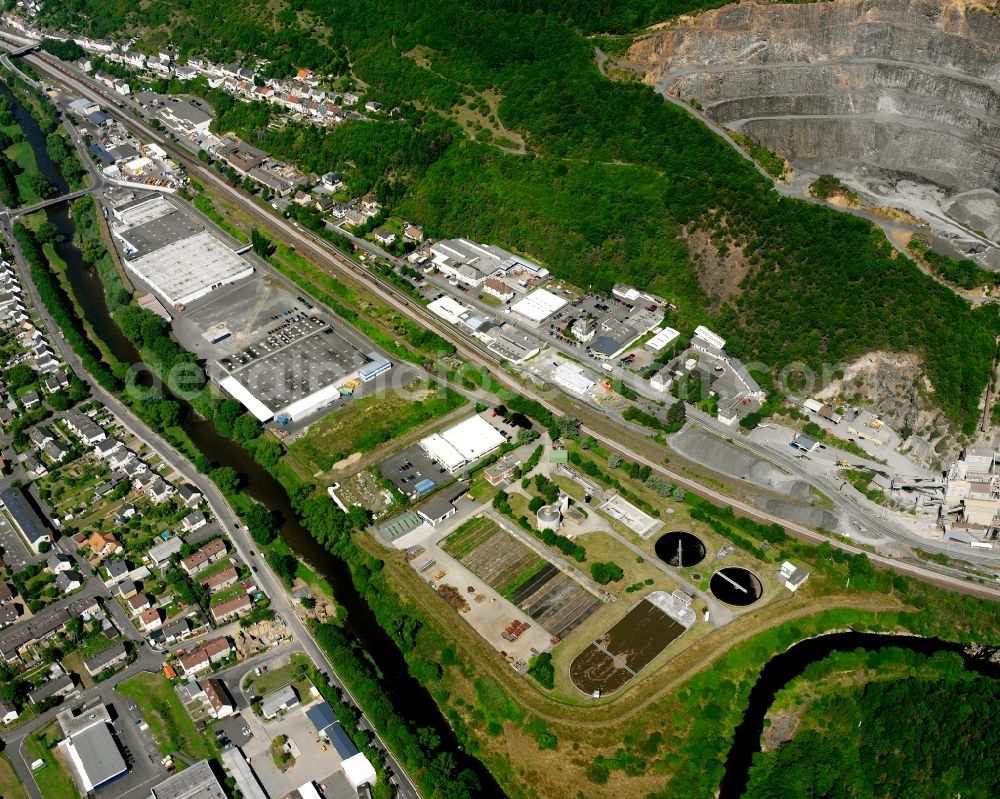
(424, 486)
(341, 741)
(321, 716)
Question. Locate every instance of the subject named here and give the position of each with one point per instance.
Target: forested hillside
(907, 739)
(610, 176)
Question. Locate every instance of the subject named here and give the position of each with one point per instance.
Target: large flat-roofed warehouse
(299, 365)
(538, 306)
(463, 444)
(91, 750)
(191, 268)
(171, 253)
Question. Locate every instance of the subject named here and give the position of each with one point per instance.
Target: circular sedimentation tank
(736, 586)
(680, 548)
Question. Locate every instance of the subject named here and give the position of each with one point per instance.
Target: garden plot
(517, 573)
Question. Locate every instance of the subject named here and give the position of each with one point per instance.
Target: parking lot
(412, 472)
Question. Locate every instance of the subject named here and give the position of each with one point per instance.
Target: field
(162, 710)
(368, 422)
(282, 676)
(554, 600)
(53, 779)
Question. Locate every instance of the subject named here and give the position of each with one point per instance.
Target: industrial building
(195, 782)
(26, 519)
(355, 765)
(172, 254)
(240, 770)
(538, 307)
(463, 444)
(469, 263)
(183, 271)
(662, 340)
(300, 364)
(90, 749)
(573, 377)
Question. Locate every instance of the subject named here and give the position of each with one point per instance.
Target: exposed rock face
(871, 91)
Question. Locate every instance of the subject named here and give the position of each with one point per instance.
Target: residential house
(139, 603)
(220, 580)
(56, 686)
(125, 512)
(103, 544)
(117, 571)
(212, 552)
(497, 288)
(85, 428)
(385, 237)
(127, 589)
(106, 659)
(68, 582)
(159, 490)
(39, 436)
(212, 652)
(55, 452)
(30, 399)
(189, 495)
(150, 619)
(218, 698)
(8, 712)
(230, 609)
(104, 449)
(57, 563)
(413, 233)
(194, 521)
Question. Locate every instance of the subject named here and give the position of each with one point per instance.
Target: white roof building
(465, 443)
(185, 270)
(358, 770)
(713, 339)
(448, 309)
(663, 339)
(538, 306)
(573, 378)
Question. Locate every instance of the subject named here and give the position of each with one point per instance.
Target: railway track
(332, 260)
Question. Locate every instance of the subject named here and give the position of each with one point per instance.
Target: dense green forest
(610, 177)
(894, 740)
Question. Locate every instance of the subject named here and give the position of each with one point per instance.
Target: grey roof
(117, 568)
(50, 688)
(195, 782)
(276, 700)
(96, 663)
(99, 753)
(37, 627)
(437, 507)
(24, 515)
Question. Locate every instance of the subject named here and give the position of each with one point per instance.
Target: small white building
(792, 576)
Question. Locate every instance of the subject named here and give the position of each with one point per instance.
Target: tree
(226, 478)
(284, 564)
(20, 376)
(261, 523)
(261, 244)
(604, 573)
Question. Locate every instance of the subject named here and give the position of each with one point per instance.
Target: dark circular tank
(680, 549)
(736, 586)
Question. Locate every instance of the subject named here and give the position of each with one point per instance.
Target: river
(783, 668)
(360, 623)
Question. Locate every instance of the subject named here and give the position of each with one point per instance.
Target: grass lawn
(171, 726)
(280, 677)
(10, 785)
(53, 779)
(228, 593)
(363, 425)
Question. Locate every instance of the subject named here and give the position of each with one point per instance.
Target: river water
(407, 694)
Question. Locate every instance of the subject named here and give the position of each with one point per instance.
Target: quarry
(901, 100)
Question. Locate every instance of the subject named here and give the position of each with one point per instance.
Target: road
(334, 261)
